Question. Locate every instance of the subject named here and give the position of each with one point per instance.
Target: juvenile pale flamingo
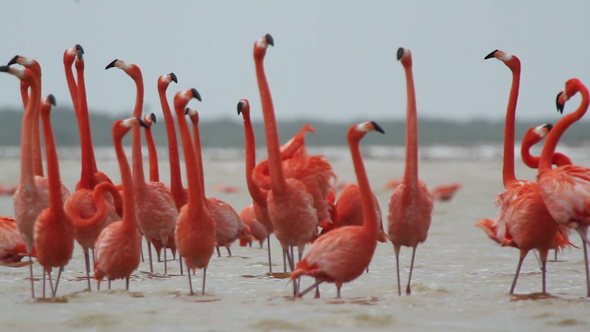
(118, 247)
(54, 229)
(290, 204)
(410, 206)
(566, 189)
(343, 254)
(156, 209)
(230, 226)
(195, 230)
(82, 205)
(523, 221)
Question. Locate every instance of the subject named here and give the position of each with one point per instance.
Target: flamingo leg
(338, 296)
(284, 262)
(399, 290)
(582, 235)
(190, 283)
(291, 265)
(521, 259)
(269, 259)
(204, 277)
(61, 268)
(50, 285)
(543, 268)
(537, 257)
(44, 282)
(555, 255)
(408, 290)
(31, 270)
(218, 252)
(142, 260)
(126, 283)
(87, 258)
(229, 250)
(367, 269)
(180, 260)
(149, 245)
(317, 291)
(165, 261)
(109, 284)
(93, 258)
(305, 291)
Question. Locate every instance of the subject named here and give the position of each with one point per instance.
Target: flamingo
(523, 221)
(32, 195)
(156, 210)
(566, 189)
(258, 231)
(230, 226)
(343, 254)
(82, 205)
(290, 204)
(445, 192)
(12, 246)
(195, 229)
(54, 229)
(410, 206)
(118, 247)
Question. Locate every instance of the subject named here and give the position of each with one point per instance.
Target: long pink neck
(87, 179)
(272, 134)
(257, 194)
(560, 127)
(27, 140)
(72, 86)
(531, 161)
(55, 200)
(199, 156)
(37, 156)
(129, 216)
(175, 178)
(196, 197)
(508, 167)
(411, 172)
(370, 225)
(138, 175)
(153, 155)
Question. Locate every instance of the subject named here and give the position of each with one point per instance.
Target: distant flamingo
(12, 246)
(54, 229)
(258, 231)
(445, 192)
(195, 230)
(32, 195)
(566, 189)
(523, 221)
(410, 206)
(156, 210)
(230, 226)
(118, 247)
(343, 254)
(82, 205)
(290, 204)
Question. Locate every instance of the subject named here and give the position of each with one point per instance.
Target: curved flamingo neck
(196, 197)
(411, 171)
(257, 194)
(27, 170)
(370, 219)
(277, 175)
(153, 156)
(138, 175)
(560, 127)
(175, 178)
(129, 217)
(24, 92)
(55, 200)
(87, 178)
(508, 174)
(68, 61)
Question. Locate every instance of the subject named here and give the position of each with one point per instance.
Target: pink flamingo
(566, 189)
(12, 246)
(523, 221)
(195, 230)
(54, 229)
(410, 206)
(445, 192)
(156, 209)
(343, 254)
(118, 247)
(258, 231)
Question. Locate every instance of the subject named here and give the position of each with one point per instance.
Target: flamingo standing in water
(82, 205)
(523, 221)
(54, 229)
(566, 189)
(410, 206)
(258, 231)
(118, 247)
(12, 246)
(290, 204)
(156, 209)
(343, 254)
(195, 230)
(230, 226)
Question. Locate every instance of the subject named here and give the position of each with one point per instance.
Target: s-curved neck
(370, 218)
(257, 194)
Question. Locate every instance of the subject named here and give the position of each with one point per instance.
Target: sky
(332, 60)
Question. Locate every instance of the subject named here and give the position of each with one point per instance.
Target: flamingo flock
(293, 192)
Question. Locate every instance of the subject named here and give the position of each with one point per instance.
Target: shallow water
(460, 281)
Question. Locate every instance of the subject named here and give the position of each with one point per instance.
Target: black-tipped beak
(186, 110)
(491, 55)
(80, 55)
(196, 94)
(269, 39)
(240, 106)
(80, 48)
(52, 99)
(142, 123)
(548, 126)
(112, 64)
(377, 127)
(400, 52)
(13, 60)
(153, 116)
(173, 77)
(4, 69)
(558, 104)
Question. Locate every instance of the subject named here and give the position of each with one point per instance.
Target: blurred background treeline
(230, 133)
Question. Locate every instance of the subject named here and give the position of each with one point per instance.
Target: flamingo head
(193, 114)
(165, 80)
(130, 68)
(27, 63)
(25, 75)
(149, 119)
(122, 127)
(261, 45)
(572, 86)
(244, 107)
(543, 130)
(49, 100)
(182, 98)
(359, 131)
(509, 60)
(71, 53)
(404, 56)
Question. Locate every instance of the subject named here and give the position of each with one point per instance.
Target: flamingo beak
(153, 116)
(52, 99)
(548, 126)
(4, 69)
(240, 106)
(491, 55)
(173, 77)
(142, 123)
(196, 94)
(112, 64)
(269, 39)
(377, 127)
(80, 48)
(13, 60)
(400, 53)
(80, 55)
(186, 110)
(558, 103)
